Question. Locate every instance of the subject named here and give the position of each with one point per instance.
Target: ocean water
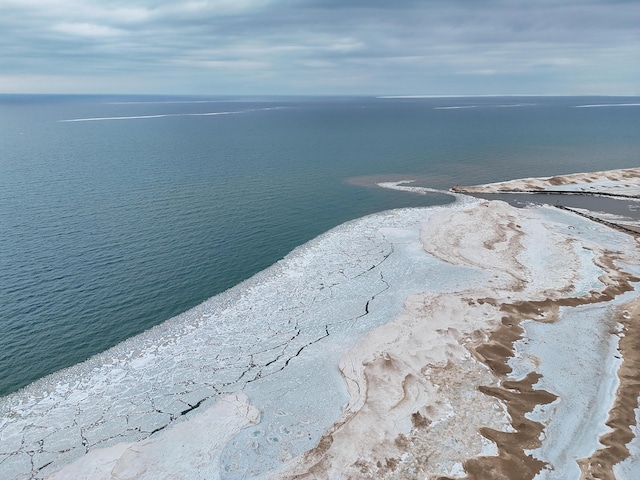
(118, 213)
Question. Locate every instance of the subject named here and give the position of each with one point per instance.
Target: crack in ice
(249, 334)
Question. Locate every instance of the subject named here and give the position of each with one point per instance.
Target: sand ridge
(623, 182)
(622, 416)
(409, 426)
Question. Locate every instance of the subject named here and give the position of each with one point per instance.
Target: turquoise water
(108, 227)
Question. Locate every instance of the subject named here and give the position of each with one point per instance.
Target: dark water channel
(623, 207)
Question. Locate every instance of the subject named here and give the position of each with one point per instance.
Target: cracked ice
(276, 338)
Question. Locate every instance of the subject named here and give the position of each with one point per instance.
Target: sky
(321, 47)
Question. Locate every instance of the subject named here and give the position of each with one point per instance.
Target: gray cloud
(321, 46)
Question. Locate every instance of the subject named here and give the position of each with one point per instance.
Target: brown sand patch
(419, 403)
(511, 462)
(422, 404)
(622, 416)
(555, 181)
(521, 398)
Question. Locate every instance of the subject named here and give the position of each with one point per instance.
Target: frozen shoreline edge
(370, 355)
(517, 456)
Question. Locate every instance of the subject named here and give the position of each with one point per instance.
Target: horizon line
(415, 96)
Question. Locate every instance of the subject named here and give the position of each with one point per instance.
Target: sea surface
(120, 212)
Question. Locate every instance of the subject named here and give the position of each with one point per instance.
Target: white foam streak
(137, 117)
(162, 115)
(600, 105)
(403, 187)
(456, 107)
(461, 96)
(505, 105)
(167, 102)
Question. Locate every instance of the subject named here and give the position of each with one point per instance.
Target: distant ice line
(167, 102)
(596, 105)
(455, 107)
(161, 115)
(506, 105)
(498, 95)
(95, 119)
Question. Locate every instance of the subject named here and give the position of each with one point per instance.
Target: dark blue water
(108, 227)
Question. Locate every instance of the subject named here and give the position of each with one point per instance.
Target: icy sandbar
(624, 182)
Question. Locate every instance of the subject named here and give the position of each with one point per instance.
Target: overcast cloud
(392, 47)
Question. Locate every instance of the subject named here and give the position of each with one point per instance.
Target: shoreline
(621, 182)
(620, 212)
(385, 349)
(519, 396)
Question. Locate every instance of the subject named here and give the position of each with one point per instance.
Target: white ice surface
(584, 379)
(277, 337)
(579, 360)
(188, 450)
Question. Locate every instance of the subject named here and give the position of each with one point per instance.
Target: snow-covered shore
(418, 343)
(609, 182)
(499, 380)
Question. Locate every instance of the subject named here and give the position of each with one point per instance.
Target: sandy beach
(469, 341)
(623, 182)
